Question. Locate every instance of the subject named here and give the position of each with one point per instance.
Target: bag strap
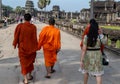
(100, 39)
(101, 45)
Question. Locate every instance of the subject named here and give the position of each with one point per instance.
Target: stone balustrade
(77, 30)
(1, 25)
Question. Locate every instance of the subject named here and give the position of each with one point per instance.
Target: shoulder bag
(105, 61)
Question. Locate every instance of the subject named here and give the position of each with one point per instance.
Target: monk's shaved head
(27, 17)
(51, 21)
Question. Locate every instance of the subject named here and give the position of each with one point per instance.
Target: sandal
(24, 82)
(53, 71)
(48, 77)
(30, 78)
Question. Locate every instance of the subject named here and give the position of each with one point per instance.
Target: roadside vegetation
(111, 27)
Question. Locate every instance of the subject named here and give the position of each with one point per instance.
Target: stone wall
(77, 30)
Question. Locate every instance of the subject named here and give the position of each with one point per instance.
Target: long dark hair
(92, 34)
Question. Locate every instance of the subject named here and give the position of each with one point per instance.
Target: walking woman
(91, 56)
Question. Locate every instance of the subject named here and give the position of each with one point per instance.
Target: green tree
(18, 10)
(43, 3)
(6, 10)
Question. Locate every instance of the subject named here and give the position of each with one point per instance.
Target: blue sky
(67, 5)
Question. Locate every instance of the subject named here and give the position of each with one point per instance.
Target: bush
(1, 21)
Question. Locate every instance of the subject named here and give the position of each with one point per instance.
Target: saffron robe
(25, 37)
(49, 38)
(84, 33)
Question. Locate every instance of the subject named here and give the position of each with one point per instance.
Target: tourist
(49, 38)
(86, 32)
(5, 21)
(25, 38)
(21, 20)
(91, 56)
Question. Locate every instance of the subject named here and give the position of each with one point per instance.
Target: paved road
(67, 65)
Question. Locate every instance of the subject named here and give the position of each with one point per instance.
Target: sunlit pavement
(66, 67)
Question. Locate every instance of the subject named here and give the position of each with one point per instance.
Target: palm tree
(18, 10)
(43, 3)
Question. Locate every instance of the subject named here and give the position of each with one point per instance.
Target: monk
(25, 38)
(49, 39)
(86, 32)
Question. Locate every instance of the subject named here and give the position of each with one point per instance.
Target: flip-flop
(31, 78)
(48, 77)
(53, 71)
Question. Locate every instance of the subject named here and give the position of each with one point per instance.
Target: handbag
(105, 61)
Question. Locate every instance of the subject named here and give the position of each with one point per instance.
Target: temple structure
(29, 7)
(103, 10)
(58, 14)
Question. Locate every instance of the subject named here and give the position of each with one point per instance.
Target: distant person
(17, 19)
(91, 56)
(25, 38)
(32, 20)
(21, 20)
(5, 21)
(49, 39)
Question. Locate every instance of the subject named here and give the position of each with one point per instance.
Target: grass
(117, 43)
(112, 27)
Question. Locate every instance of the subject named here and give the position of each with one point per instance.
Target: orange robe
(49, 38)
(25, 37)
(84, 33)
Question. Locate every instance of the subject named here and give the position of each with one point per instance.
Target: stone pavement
(66, 67)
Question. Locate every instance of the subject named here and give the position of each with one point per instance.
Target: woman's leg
(99, 79)
(86, 78)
